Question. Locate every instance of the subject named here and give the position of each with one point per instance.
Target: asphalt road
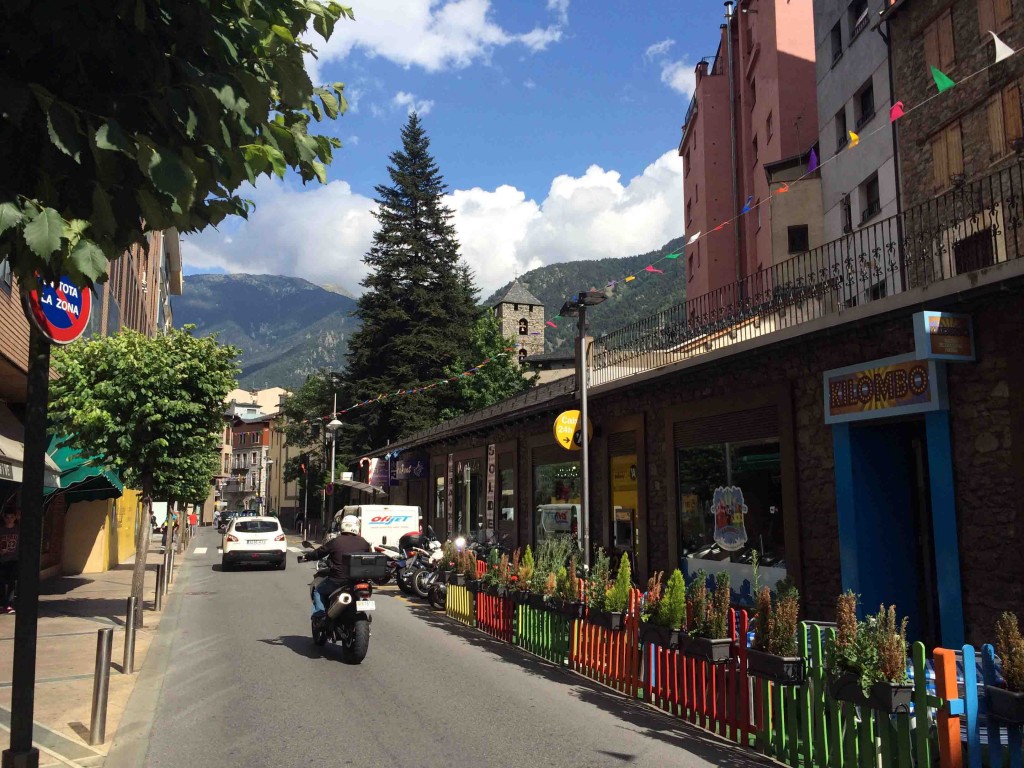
(244, 686)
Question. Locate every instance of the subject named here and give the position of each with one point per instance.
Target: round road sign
(60, 309)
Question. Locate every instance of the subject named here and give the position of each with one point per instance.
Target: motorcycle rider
(348, 542)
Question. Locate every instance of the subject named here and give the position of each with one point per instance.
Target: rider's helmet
(350, 524)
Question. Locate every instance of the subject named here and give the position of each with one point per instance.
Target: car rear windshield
(256, 526)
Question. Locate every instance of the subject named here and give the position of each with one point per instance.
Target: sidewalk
(71, 610)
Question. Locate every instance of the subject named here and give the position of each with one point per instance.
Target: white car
(254, 540)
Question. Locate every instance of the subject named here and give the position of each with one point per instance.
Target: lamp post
(578, 308)
(270, 466)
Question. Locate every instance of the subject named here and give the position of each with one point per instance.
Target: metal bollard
(101, 686)
(170, 571)
(159, 601)
(128, 663)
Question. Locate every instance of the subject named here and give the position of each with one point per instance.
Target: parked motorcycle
(347, 621)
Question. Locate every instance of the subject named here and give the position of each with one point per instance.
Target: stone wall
(509, 317)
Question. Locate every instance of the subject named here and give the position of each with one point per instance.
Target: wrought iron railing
(970, 227)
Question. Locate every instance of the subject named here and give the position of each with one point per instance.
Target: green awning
(82, 478)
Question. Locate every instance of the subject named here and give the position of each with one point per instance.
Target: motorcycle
(347, 621)
(427, 573)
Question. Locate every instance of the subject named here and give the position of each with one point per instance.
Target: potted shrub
(503, 577)
(663, 610)
(567, 592)
(536, 585)
(522, 572)
(616, 599)
(451, 564)
(597, 583)
(1008, 703)
(773, 655)
(867, 660)
(490, 578)
(550, 588)
(707, 636)
(469, 570)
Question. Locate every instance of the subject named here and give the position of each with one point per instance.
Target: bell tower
(521, 316)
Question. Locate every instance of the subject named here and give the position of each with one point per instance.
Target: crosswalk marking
(200, 550)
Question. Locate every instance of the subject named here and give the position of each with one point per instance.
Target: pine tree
(419, 310)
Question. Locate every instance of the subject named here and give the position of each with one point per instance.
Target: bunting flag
(1003, 51)
(628, 279)
(812, 161)
(720, 226)
(783, 189)
(854, 139)
(897, 111)
(672, 256)
(548, 322)
(650, 268)
(942, 81)
(746, 208)
(694, 238)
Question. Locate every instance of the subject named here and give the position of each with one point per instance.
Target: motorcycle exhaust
(343, 601)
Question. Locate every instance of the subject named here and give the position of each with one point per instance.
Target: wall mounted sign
(450, 506)
(411, 468)
(491, 496)
(943, 336)
(893, 386)
(567, 430)
(6, 471)
(730, 512)
(59, 309)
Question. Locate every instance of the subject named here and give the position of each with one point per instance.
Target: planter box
(535, 601)
(573, 610)
(655, 634)
(521, 597)
(494, 590)
(457, 579)
(885, 697)
(705, 649)
(783, 670)
(605, 619)
(1006, 705)
(473, 585)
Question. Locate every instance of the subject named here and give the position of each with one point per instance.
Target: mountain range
(288, 327)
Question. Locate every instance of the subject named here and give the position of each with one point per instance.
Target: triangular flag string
(1003, 51)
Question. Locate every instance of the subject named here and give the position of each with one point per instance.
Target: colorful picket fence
(544, 633)
(495, 616)
(458, 604)
(611, 657)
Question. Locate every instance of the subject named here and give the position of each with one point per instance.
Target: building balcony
(968, 236)
(238, 486)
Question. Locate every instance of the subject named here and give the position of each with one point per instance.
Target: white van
(380, 523)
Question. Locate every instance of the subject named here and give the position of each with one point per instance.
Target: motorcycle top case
(367, 565)
(410, 540)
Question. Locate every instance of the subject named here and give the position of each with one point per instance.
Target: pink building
(775, 117)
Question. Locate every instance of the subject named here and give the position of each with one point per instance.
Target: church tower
(521, 316)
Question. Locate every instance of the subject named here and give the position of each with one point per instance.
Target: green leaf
(65, 133)
(111, 137)
(283, 32)
(331, 105)
(319, 170)
(10, 216)
(277, 161)
(43, 233)
(103, 222)
(89, 260)
(172, 177)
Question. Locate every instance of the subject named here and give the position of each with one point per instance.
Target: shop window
(938, 43)
(524, 327)
(625, 501)
(841, 133)
(557, 494)
(730, 507)
(469, 486)
(947, 157)
(1004, 121)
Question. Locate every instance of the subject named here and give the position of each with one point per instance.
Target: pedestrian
(8, 559)
(193, 523)
(152, 523)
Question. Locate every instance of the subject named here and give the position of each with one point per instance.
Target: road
(244, 686)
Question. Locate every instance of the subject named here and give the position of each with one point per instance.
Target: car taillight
(231, 538)
(279, 537)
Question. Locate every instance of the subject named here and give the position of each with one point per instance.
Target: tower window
(522, 355)
(524, 327)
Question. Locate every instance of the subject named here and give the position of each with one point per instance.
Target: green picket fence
(458, 604)
(543, 633)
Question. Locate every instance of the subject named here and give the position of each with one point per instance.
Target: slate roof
(518, 294)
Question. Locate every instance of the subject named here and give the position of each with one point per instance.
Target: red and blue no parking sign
(59, 308)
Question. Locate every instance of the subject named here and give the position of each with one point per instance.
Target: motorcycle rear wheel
(382, 581)
(404, 586)
(437, 600)
(418, 584)
(354, 651)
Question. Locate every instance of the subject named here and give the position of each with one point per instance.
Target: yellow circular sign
(567, 428)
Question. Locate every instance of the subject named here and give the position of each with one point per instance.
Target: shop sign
(410, 468)
(943, 336)
(59, 309)
(557, 518)
(450, 505)
(6, 471)
(730, 511)
(893, 386)
(567, 430)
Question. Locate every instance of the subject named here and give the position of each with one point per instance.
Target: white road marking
(200, 550)
(296, 549)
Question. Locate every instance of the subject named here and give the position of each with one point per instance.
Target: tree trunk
(142, 537)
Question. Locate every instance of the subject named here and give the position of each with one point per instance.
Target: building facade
(521, 316)
(754, 104)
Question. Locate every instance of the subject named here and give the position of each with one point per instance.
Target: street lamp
(578, 308)
(333, 426)
(270, 464)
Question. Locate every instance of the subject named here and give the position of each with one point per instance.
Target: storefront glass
(469, 487)
(557, 493)
(625, 499)
(730, 506)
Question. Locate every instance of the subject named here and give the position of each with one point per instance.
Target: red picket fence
(712, 696)
(610, 657)
(494, 615)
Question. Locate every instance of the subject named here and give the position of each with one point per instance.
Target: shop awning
(364, 487)
(12, 452)
(83, 478)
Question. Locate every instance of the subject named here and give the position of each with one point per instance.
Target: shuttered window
(727, 427)
(1004, 120)
(939, 51)
(994, 16)
(947, 156)
(622, 443)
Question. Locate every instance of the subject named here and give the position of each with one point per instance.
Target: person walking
(193, 523)
(8, 559)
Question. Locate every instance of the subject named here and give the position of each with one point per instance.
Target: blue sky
(554, 123)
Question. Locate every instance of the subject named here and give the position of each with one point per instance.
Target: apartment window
(841, 135)
(938, 42)
(754, 144)
(847, 211)
(757, 207)
(865, 104)
(993, 15)
(798, 238)
(686, 163)
(689, 211)
(254, 458)
(837, 42)
(947, 156)
(858, 17)
(1004, 120)
(871, 202)
(753, 93)
(5, 274)
(690, 267)
(768, 127)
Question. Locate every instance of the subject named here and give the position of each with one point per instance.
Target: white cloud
(677, 74)
(528, 83)
(353, 140)
(432, 34)
(410, 103)
(322, 233)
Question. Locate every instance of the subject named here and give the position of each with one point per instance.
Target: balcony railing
(970, 227)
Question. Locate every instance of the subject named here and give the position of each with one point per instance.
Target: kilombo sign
(59, 309)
